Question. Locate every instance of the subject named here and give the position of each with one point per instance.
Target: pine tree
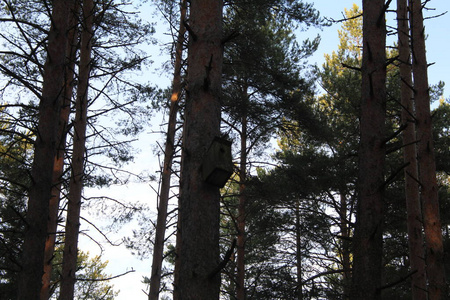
(437, 286)
(44, 154)
(169, 151)
(262, 83)
(76, 183)
(368, 239)
(198, 232)
(414, 218)
(58, 170)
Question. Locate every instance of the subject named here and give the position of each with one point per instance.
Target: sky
(120, 259)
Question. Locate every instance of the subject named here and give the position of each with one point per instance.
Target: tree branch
(105, 279)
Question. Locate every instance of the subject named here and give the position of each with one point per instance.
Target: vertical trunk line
(158, 248)
(368, 239)
(298, 244)
(413, 208)
(437, 286)
(240, 293)
(59, 158)
(199, 203)
(344, 228)
(68, 277)
(45, 150)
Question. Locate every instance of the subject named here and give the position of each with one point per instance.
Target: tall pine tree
(368, 239)
(198, 232)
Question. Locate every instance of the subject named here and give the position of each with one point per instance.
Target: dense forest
(276, 178)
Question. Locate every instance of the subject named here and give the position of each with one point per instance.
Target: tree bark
(45, 149)
(158, 248)
(59, 158)
(241, 219)
(437, 287)
(198, 240)
(368, 243)
(69, 264)
(413, 208)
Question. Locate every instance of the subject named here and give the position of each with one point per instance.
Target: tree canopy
(334, 167)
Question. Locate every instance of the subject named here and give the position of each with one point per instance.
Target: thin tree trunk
(414, 213)
(59, 159)
(79, 146)
(368, 243)
(198, 240)
(30, 281)
(158, 248)
(240, 280)
(437, 287)
(345, 244)
(298, 244)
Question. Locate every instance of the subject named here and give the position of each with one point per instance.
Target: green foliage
(265, 79)
(326, 169)
(92, 282)
(15, 155)
(119, 33)
(341, 81)
(114, 98)
(262, 75)
(441, 134)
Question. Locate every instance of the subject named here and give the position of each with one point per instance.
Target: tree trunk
(240, 280)
(59, 159)
(198, 249)
(413, 208)
(345, 244)
(437, 288)
(79, 146)
(368, 243)
(45, 149)
(298, 246)
(158, 248)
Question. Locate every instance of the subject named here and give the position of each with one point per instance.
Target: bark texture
(368, 243)
(198, 240)
(413, 208)
(69, 266)
(437, 287)
(45, 149)
(59, 158)
(158, 248)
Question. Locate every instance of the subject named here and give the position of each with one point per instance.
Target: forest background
(120, 258)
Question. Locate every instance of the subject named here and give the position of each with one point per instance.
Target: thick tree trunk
(414, 210)
(240, 280)
(368, 243)
(437, 287)
(59, 159)
(158, 248)
(79, 146)
(45, 149)
(198, 249)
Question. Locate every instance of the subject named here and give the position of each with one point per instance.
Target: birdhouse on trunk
(217, 165)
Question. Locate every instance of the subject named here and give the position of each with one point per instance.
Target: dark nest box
(217, 165)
